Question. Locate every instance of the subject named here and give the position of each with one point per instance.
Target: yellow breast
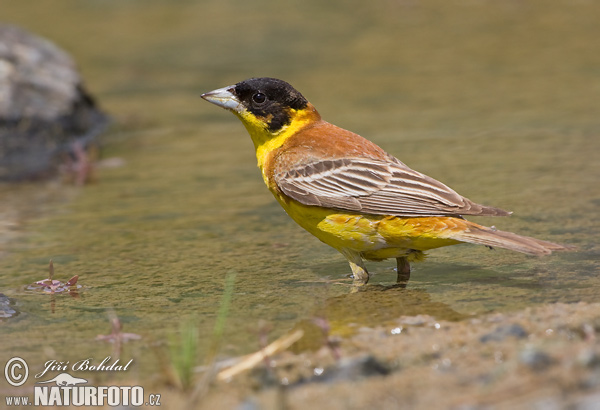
(374, 236)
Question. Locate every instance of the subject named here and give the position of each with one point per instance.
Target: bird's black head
(269, 99)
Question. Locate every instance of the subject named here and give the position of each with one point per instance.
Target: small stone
(535, 359)
(352, 369)
(503, 332)
(589, 402)
(248, 404)
(588, 358)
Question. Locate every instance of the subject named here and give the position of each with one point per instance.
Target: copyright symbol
(16, 371)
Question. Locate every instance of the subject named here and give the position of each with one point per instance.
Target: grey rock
(44, 107)
(589, 402)
(535, 359)
(352, 369)
(589, 358)
(503, 332)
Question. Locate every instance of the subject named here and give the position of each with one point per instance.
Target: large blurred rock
(45, 113)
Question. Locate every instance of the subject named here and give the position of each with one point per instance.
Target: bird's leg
(403, 271)
(359, 270)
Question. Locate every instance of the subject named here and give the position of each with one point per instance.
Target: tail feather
(482, 235)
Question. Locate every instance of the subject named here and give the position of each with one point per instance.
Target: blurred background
(499, 100)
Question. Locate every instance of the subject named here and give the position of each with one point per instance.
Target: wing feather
(377, 187)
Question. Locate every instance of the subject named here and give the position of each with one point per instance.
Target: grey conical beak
(224, 97)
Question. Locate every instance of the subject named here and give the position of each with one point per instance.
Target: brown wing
(376, 187)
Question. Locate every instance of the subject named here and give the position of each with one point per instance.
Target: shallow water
(499, 101)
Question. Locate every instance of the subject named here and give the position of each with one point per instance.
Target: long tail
(482, 235)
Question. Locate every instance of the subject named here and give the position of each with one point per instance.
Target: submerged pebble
(7, 307)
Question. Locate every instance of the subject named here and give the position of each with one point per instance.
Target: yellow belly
(375, 237)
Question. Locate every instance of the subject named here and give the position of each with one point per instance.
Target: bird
(350, 193)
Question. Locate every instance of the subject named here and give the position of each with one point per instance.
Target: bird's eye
(259, 98)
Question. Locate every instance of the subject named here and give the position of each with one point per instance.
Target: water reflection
(371, 305)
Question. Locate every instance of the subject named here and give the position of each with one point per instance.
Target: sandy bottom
(545, 357)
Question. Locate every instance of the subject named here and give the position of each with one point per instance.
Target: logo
(67, 390)
(65, 379)
(16, 371)
(85, 365)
